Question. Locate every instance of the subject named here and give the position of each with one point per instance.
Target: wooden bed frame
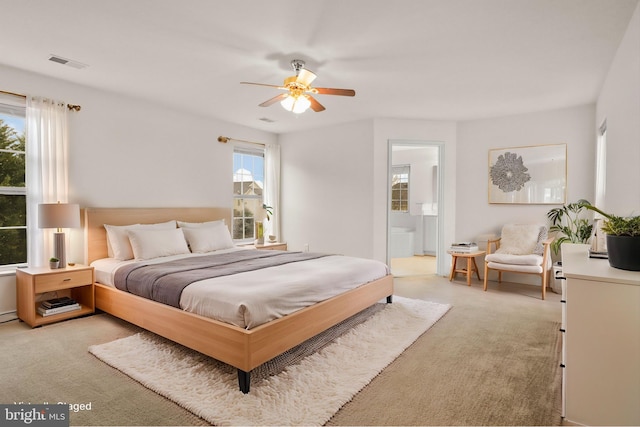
(244, 349)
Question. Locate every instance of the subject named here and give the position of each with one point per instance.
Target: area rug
(298, 389)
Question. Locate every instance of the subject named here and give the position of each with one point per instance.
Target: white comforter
(252, 298)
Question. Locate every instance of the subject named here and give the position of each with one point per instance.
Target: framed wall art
(528, 175)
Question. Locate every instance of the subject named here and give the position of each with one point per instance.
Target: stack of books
(464, 247)
(57, 306)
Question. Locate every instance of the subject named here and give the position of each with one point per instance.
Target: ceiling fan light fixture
(296, 104)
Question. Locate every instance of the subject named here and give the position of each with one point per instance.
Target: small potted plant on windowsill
(623, 239)
(53, 263)
(261, 225)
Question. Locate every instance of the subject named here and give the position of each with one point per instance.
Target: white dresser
(601, 342)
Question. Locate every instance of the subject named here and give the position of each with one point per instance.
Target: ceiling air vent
(68, 62)
(267, 120)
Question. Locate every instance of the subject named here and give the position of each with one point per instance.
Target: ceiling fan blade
(262, 84)
(331, 91)
(305, 77)
(315, 105)
(274, 100)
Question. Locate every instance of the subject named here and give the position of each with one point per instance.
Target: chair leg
(486, 273)
(545, 274)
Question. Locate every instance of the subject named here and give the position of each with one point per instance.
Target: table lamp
(59, 216)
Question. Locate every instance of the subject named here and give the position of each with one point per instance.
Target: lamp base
(59, 249)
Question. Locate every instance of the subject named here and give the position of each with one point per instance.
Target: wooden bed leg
(389, 299)
(244, 380)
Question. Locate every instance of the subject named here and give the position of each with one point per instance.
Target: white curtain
(271, 195)
(46, 169)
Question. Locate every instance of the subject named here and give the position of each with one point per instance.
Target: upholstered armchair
(521, 248)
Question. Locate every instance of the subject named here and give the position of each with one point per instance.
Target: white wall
(326, 189)
(334, 183)
(126, 152)
(619, 104)
(129, 152)
(571, 126)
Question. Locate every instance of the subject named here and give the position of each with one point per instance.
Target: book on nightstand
(58, 302)
(57, 305)
(43, 311)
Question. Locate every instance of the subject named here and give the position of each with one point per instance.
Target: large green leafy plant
(569, 223)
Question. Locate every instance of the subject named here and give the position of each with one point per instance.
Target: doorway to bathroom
(413, 209)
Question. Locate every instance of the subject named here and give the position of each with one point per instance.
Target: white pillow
(154, 243)
(519, 239)
(183, 224)
(208, 239)
(118, 245)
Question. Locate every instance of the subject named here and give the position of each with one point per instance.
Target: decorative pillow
(208, 239)
(542, 236)
(118, 245)
(519, 239)
(183, 224)
(153, 243)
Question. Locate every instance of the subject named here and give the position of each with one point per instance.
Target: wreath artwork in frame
(528, 175)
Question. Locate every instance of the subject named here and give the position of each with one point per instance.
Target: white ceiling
(415, 59)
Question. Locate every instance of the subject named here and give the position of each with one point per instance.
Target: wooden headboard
(94, 219)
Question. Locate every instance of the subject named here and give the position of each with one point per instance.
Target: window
(13, 191)
(400, 188)
(601, 165)
(248, 183)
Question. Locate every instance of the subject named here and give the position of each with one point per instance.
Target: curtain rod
(225, 139)
(71, 107)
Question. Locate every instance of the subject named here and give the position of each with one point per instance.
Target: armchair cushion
(522, 239)
(530, 259)
(516, 268)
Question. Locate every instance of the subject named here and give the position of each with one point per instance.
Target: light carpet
(307, 392)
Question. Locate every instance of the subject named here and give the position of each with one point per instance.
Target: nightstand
(35, 285)
(273, 246)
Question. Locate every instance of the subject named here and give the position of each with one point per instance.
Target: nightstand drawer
(62, 280)
(272, 246)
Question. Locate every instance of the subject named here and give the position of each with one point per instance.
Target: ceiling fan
(297, 99)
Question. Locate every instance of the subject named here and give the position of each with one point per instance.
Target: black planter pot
(624, 252)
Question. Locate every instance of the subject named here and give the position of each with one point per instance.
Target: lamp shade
(58, 215)
(296, 104)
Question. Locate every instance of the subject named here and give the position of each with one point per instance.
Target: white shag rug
(305, 393)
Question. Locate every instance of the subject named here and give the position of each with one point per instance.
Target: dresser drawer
(62, 280)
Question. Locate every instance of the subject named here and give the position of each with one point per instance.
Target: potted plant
(267, 226)
(53, 263)
(268, 211)
(571, 226)
(623, 239)
(260, 225)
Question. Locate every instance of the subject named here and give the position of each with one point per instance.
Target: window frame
(255, 151)
(601, 167)
(397, 170)
(12, 105)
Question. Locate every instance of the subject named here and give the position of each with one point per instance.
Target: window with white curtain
(601, 165)
(248, 187)
(13, 190)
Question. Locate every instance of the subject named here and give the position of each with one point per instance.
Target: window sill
(10, 271)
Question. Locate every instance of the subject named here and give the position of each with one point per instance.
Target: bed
(240, 347)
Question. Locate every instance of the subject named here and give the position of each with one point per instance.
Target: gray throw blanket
(165, 282)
